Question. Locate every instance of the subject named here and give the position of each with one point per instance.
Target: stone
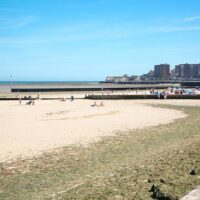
(193, 195)
(193, 172)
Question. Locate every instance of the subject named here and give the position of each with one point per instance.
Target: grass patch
(121, 167)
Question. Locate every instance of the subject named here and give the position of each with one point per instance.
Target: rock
(193, 172)
(158, 194)
(149, 181)
(193, 195)
(162, 180)
(152, 188)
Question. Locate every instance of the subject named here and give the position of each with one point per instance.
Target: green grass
(120, 167)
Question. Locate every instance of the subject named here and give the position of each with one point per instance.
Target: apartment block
(162, 71)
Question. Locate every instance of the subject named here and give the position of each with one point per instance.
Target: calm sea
(47, 82)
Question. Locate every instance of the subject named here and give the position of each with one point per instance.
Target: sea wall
(118, 97)
(112, 97)
(113, 87)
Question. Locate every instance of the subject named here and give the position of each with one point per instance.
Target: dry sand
(30, 130)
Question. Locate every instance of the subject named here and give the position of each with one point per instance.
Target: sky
(87, 40)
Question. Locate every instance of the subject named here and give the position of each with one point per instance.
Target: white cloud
(190, 19)
(169, 29)
(72, 33)
(8, 23)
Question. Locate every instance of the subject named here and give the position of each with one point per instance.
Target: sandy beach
(30, 130)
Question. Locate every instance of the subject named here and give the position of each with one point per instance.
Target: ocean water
(46, 82)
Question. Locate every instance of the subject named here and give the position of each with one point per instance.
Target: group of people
(64, 99)
(173, 91)
(99, 105)
(183, 91)
(161, 95)
(30, 102)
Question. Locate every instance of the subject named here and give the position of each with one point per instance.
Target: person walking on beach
(165, 95)
(20, 101)
(101, 104)
(95, 104)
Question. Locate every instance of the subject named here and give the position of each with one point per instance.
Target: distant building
(179, 71)
(172, 72)
(116, 79)
(162, 71)
(124, 78)
(148, 77)
(134, 78)
(196, 71)
(187, 71)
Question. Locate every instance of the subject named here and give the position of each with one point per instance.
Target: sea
(5, 86)
(46, 82)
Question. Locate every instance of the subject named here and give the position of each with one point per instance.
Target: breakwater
(109, 97)
(94, 87)
(122, 97)
(155, 82)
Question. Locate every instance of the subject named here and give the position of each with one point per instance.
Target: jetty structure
(89, 87)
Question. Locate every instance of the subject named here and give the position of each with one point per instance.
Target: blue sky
(90, 39)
